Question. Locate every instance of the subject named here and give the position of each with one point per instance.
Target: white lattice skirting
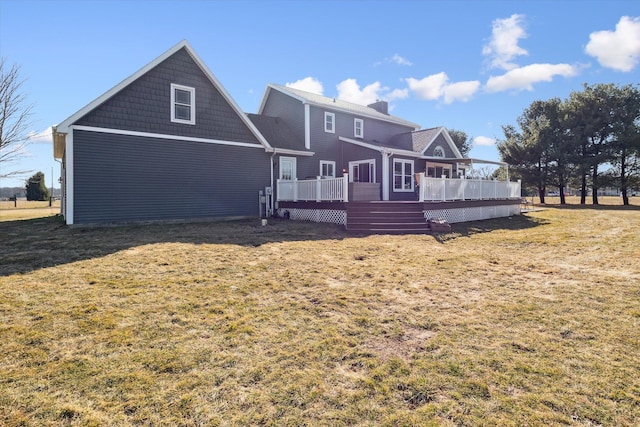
(473, 214)
(316, 215)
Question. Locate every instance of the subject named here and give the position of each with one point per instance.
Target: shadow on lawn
(29, 245)
(572, 206)
(466, 229)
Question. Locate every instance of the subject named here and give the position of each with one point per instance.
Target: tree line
(590, 140)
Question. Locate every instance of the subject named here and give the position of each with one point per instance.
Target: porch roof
(464, 160)
(380, 147)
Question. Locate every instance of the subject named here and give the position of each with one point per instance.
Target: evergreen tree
(462, 141)
(36, 188)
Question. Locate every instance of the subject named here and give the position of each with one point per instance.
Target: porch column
(423, 187)
(385, 175)
(345, 187)
(318, 189)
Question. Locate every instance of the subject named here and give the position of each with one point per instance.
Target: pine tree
(36, 188)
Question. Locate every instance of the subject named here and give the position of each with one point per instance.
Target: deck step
(386, 218)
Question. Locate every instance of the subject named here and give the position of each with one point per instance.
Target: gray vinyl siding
(289, 110)
(145, 105)
(127, 178)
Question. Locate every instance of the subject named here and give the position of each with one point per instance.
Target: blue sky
(467, 65)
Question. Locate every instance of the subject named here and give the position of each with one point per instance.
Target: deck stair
(386, 218)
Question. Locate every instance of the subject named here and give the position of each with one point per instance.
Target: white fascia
(168, 136)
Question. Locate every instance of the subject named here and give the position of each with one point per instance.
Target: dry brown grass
(531, 320)
(27, 210)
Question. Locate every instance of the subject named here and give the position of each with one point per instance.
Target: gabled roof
(63, 127)
(422, 139)
(333, 104)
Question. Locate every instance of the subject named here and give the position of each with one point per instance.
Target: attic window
(438, 151)
(183, 104)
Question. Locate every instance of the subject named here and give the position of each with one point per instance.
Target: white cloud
(437, 86)
(397, 59)
(524, 77)
(430, 87)
(503, 45)
(619, 49)
(41, 137)
(484, 141)
(461, 91)
(309, 84)
(349, 90)
(396, 94)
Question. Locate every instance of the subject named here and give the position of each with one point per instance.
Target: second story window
(329, 122)
(358, 128)
(183, 104)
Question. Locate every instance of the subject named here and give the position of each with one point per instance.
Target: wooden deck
(395, 217)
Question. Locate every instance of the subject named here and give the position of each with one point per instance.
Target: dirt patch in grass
(531, 320)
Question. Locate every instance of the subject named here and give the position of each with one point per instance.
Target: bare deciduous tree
(15, 119)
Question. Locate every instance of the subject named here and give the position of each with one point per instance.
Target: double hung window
(183, 104)
(358, 128)
(402, 175)
(329, 122)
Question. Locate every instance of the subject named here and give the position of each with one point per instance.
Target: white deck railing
(319, 189)
(444, 189)
(431, 189)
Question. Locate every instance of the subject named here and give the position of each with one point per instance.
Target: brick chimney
(380, 107)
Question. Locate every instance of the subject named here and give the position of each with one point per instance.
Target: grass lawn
(27, 209)
(533, 320)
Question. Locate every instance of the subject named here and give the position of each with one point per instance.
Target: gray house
(166, 143)
(169, 143)
(380, 152)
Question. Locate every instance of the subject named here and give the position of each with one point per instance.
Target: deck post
(318, 189)
(444, 183)
(345, 187)
(295, 189)
(423, 187)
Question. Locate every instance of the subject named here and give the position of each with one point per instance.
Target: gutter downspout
(273, 189)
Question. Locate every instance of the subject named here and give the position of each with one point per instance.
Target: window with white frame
(438, 151)
(358, 128)
(183, 104)
(329, 122)
(327, 169)
(402, 175)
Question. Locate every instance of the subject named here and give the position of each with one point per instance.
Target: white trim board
(164, 136)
